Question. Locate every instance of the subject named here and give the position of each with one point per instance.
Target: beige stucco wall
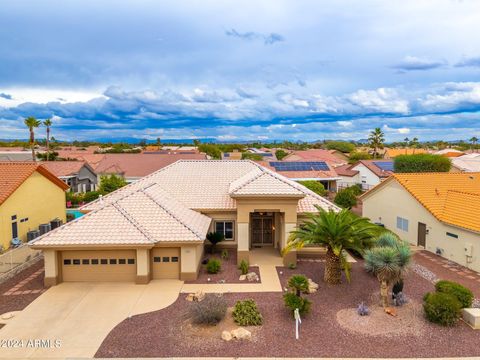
(392, 200)
(37, 199)
(223, 216)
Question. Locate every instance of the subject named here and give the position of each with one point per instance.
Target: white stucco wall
(366, 176)
(392, 200)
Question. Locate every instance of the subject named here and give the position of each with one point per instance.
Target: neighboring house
(467, 163)
(156, 227)
(439, 211)
(393, 153)
(320, 171)
(18, 155)
(330, 156)
(234, 155)
(78, 175)
(266, 154)
(30, 195)
(367, 173)
(450, 153)
(135, 166)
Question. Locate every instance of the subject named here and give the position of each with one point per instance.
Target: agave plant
(337, 231)
(388, 261)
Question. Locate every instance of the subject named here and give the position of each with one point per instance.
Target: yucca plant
(388, 263)
(337, 231)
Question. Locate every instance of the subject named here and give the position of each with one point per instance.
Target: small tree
(111, 183)
(421, 163)
(358, 155)
(298, 284)
(388, 263)
(342, 146)
(315, 186)
(215, 238)
(346, 198)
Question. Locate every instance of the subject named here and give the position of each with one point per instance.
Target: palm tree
(32, 123)
(337, 231)
(388, 261)
(298, 284)
(48, 123)
(414, 144)
(474, 141)
(406, 142)
(376, 139)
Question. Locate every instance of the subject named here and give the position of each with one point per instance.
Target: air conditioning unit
(33, 234)
(55, 223)
(44, 228)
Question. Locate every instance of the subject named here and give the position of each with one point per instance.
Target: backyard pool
(75, 213)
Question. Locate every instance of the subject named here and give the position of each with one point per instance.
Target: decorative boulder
(241, 334)
(226, 335)
(242, 277)
(312, 286)
(252, 276)
(198, 296)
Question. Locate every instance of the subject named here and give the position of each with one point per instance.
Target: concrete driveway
(72, 319)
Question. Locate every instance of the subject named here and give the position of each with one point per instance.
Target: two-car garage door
(104, 265)
(118, 265)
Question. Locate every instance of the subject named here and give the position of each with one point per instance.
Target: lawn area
(323, 333)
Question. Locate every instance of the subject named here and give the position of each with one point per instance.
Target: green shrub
(243, 267)
(298, 284)
(421, 163)
(245, 313)
(292, 301)
(213, 266)
(358, 155)
(91, 195)
(225, 254)
(252, 156)
(464, 295)
(211, 310)
(342, 146)
(346, 198)
(215, 238)
(315, 186)
(442, 308)
(292, 266)
(280, 154)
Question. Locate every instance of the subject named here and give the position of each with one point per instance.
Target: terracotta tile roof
(391, 153)
(315, 155)
(453, 198)
(206, 185)
(64, 168)
(142, 217)
(346, 170)
(13, 174)
(311, 174)
(139, 165)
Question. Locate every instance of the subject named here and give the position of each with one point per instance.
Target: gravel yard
(229, 272)
(323, 332)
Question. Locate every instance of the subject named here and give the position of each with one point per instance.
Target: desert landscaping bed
(331, 329)
(19, 302)
(229, 272)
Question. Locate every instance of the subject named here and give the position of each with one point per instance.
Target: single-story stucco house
(156, 227)
(438, 211)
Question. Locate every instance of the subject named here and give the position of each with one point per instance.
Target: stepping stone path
(16, 290)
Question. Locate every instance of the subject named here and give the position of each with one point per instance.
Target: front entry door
(422, 234)
(262, 230)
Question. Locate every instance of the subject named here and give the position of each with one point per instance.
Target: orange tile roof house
(156, 227)
(439, 211)
(78, 175)
(392, 153)
(30, 195)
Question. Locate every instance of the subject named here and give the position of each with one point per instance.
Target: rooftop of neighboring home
(15, 154)
(380, 167)
(316, 155)
(164, 206)
(391, 153)
(453, 198)
(467, 162)
(14, 174)
(234, 155)
(302, 170)
(451, 153)
(346, 170)
(65, 168)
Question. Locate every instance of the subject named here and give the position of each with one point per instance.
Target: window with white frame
(225, 228)
(402, 223)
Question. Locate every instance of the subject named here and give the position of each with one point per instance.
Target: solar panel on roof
(384, 165)
(299, 165)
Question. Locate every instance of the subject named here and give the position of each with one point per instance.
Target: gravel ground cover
(19, 302)
(229, 272)
(162, 333)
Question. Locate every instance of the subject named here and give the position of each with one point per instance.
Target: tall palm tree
(48, 124)
(474, 141)
(337, 231)
(388, 261)
(406, 142)
(32, 123)
(376, 139)
(414, 144)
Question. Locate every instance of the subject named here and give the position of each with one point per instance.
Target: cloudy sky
(259, 70)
